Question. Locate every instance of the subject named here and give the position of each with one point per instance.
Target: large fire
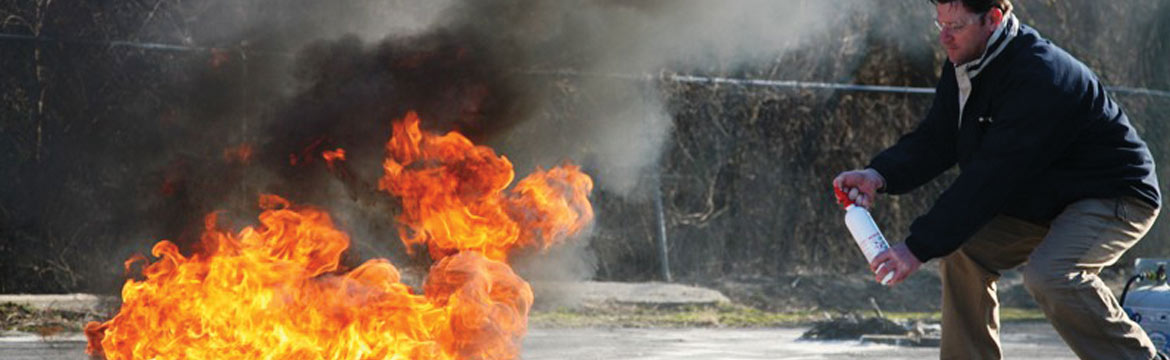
(454, 198)
(277, 290)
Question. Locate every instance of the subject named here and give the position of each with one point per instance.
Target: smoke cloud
(619, 127)
(482, 68)
(540, 81)
(288, 79)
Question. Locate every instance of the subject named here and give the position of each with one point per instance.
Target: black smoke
(112, 148)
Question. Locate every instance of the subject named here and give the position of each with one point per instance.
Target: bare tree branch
(16, 18)
(701, 218)
(149, 16)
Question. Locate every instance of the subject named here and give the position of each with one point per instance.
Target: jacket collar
(1007, 30)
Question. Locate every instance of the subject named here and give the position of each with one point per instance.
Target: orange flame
(275, 291)
(454, 199)
(333, 155)
(271, 292)
(240, 154)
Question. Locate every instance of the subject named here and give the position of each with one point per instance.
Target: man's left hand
(897, 259)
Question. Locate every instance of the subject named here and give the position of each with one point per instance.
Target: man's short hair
(981, 6)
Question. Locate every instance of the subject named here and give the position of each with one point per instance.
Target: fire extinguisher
(865, 232)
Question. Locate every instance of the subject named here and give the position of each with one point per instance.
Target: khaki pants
(1063, 261)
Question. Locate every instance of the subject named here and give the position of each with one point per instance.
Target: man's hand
(897, 259)
(861, 185)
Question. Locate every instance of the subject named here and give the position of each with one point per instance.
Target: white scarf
(1004, 33)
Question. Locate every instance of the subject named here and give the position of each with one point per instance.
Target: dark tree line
(85, 180)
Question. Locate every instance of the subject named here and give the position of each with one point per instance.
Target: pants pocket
(1134, 211)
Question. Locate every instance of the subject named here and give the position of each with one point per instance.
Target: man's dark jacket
(1039, 132)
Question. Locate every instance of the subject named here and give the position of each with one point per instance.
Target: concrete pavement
(1024, 341)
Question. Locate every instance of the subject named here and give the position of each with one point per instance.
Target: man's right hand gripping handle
(861, 185)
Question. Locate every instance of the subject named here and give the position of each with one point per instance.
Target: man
(1052, 175)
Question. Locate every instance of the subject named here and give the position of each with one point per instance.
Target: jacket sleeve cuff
(921, 252)
(885, 172)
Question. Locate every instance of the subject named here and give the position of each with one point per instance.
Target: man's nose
(945, 37)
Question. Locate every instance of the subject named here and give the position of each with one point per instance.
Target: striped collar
(1003, 34)
(1007, 30)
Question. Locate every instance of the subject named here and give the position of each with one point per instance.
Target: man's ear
(995, 15)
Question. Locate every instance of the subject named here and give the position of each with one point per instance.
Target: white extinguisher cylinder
(865, 231)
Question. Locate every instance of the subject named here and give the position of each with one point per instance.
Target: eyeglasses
(956, 26)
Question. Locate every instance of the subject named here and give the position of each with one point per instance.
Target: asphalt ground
(1024, 341)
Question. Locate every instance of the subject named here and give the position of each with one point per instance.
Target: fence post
(663, 247)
